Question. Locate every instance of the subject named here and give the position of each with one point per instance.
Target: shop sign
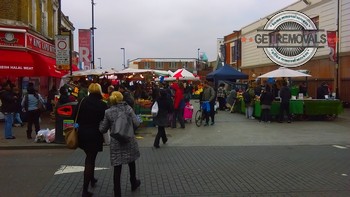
(12, 39)
(290, 38)
(39, 45)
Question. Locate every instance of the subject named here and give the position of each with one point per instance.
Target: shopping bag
(71, 137)
(155, 109)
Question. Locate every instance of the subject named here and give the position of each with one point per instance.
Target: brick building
(27, 42)
(325, 14)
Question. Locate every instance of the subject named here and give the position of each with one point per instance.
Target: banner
(332, 44)
(85, 48)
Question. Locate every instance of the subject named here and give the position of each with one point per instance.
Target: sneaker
(212, 123)
(206, 124)
(11, 138)
(289, 121)
(251, 117)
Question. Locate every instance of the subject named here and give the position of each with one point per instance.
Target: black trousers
(211, 113)
(89, 168)
(265, 115)
(33, 118)
(117, 174)
(178, 115)
(284, 108)
(161, 134)
(222, 103)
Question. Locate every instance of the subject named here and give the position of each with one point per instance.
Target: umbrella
(283, 72)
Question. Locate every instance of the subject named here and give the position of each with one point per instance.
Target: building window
(233, 52)
(159, 65)
(316, 20)
(44, 17)
(314, 34)
(33, 14)
(146, 65)
(172, 65)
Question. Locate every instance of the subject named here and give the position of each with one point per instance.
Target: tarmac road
(25, 172)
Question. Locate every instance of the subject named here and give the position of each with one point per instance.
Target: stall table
(317, 107)
(296, 107)
(302, 108)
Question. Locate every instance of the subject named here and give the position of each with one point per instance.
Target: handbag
(123, 129)
(155, 109)
(71, 133)
(41, 106)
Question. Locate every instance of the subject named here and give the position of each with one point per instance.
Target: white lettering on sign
(40, 45)
(17, 67)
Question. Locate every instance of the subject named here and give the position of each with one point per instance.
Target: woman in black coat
(91, 113)
(165, 106)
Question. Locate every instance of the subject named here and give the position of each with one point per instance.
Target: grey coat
(120, 153)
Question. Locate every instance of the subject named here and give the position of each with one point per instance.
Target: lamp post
(197, 65)
(123, 49)
(93, 37)
(100, 62)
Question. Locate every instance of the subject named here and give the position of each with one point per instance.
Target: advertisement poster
(332, 44)
(85, 47)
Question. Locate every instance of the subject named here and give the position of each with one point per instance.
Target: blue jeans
(17, 118)
(8, 124)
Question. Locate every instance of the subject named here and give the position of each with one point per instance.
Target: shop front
(25, 57)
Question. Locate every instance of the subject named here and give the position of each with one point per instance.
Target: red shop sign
(39, 45)
(12, 39)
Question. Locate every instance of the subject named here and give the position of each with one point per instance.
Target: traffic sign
(62, 52)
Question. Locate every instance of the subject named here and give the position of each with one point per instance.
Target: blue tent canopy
(226, 72)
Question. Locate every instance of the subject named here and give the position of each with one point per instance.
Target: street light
(93, 37)
(197, 59)
(100, 62)
(123, 49)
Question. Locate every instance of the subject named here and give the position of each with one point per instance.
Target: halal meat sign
(62, 52)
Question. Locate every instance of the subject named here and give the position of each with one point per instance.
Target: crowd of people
(100, 104)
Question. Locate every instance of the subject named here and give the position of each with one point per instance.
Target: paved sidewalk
(229, 130)
(217, 171)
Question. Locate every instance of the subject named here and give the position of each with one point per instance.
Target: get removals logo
(290, 38)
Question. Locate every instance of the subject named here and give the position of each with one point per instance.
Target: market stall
(307, 108)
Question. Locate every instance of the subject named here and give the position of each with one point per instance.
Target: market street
(235, 157)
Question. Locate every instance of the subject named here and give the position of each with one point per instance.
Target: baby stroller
(188, 112)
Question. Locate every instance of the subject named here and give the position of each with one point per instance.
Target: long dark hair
(31, 90)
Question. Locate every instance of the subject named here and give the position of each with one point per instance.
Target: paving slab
(218, 171)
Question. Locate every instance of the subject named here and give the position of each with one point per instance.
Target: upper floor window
(146, 65)
(172, 65)
(33, 11)
(185, 65)
(159, 65)
(44, 17)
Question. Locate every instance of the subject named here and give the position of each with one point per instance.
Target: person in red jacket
(179, 104)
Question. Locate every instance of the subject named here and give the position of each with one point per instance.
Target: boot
(135, 184)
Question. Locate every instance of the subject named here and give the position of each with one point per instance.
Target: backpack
(123, 128)
(246, 97)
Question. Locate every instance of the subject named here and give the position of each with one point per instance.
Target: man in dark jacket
(128, 98)
(285, 96)
(8, 108)
(208, 95)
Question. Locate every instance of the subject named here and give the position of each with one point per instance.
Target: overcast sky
(163, 28)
